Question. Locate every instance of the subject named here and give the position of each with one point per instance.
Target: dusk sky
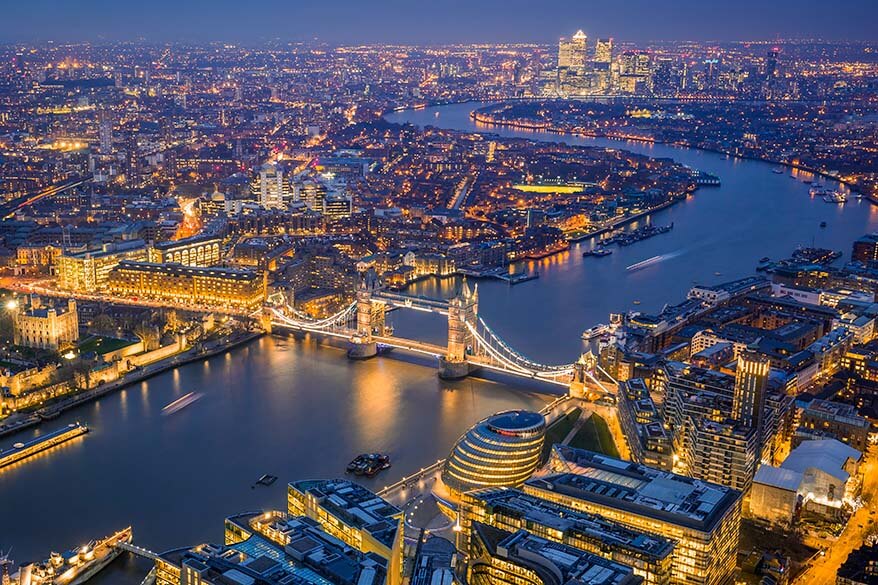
(436, 21)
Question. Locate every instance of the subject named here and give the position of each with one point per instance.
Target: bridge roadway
(417, 303)
(423, 348)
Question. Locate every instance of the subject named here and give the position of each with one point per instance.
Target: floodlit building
(821, 476)
(573, 52)
(703, 518)
(201, 250)
(232, 288)
(650, 555)
(354, 515)
(502, 450)
(270, 187)
(90, 271)
(46, 326)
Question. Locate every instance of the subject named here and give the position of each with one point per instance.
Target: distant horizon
(100, 42)
(440, 22)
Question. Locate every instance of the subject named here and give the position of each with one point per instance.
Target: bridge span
(471, 345)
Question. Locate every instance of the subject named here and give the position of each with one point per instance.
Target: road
(824, 568)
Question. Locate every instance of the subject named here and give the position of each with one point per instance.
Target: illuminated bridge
(472, 344)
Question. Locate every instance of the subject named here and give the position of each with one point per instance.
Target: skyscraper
(603, 51)
(751, 379)
(270, 187)
(572, 52)
(105, 133)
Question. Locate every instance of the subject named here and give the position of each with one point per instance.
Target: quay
(500, 274)
(21, 451)
(139, 375)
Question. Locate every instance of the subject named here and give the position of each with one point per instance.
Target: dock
(501, 274)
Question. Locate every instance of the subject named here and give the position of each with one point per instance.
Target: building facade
(703, 518)
(502, 450)
(46, 326)
(227, 288)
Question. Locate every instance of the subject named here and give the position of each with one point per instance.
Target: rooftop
(355, 505)
(297, 552)
(555, 563)
(639, 489)
(516, 503)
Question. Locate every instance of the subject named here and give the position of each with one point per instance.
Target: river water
(299, 409)
(724, 229)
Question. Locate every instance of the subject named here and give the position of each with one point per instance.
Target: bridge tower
(362, 345)
(463, 309)
(583, 384)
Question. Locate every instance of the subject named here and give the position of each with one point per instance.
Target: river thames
(297, 409)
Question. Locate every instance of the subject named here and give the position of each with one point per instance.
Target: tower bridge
(471, 344)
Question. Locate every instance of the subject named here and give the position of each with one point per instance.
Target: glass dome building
(502, 450)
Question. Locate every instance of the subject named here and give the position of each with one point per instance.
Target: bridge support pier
(362, 350)
(453, 369)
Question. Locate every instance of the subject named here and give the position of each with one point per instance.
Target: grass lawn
(556, 431)
(102, 345)
(595, 436)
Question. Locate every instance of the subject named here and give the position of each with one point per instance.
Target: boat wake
(181, 403)
(655, 260)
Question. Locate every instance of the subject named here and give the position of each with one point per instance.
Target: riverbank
(484, 119)
(139, 375)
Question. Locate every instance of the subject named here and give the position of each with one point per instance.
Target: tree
(103, 324)
(147, 334)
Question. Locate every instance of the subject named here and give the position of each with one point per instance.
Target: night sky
(434, 21)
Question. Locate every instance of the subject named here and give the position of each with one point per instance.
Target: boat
(777, 171)
(266, 480)
(764, 259)
(369, 464)
(598, 252)
(835, 197)
(645, 263)
(77, 566)
(181, 403)
(21, 451)
(823, 224)
(594, 332)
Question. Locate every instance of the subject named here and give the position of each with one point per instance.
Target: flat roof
(555, 563)
(518, 504)
(639, 489)
(355, 505)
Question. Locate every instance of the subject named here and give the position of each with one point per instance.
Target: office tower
(603, 51)
(572, 52)
(511, 509)
(498, 557)
(703, 518)
(105, 133)
(270, 187)
(771, 67)
(751, 380)
(502, 450)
